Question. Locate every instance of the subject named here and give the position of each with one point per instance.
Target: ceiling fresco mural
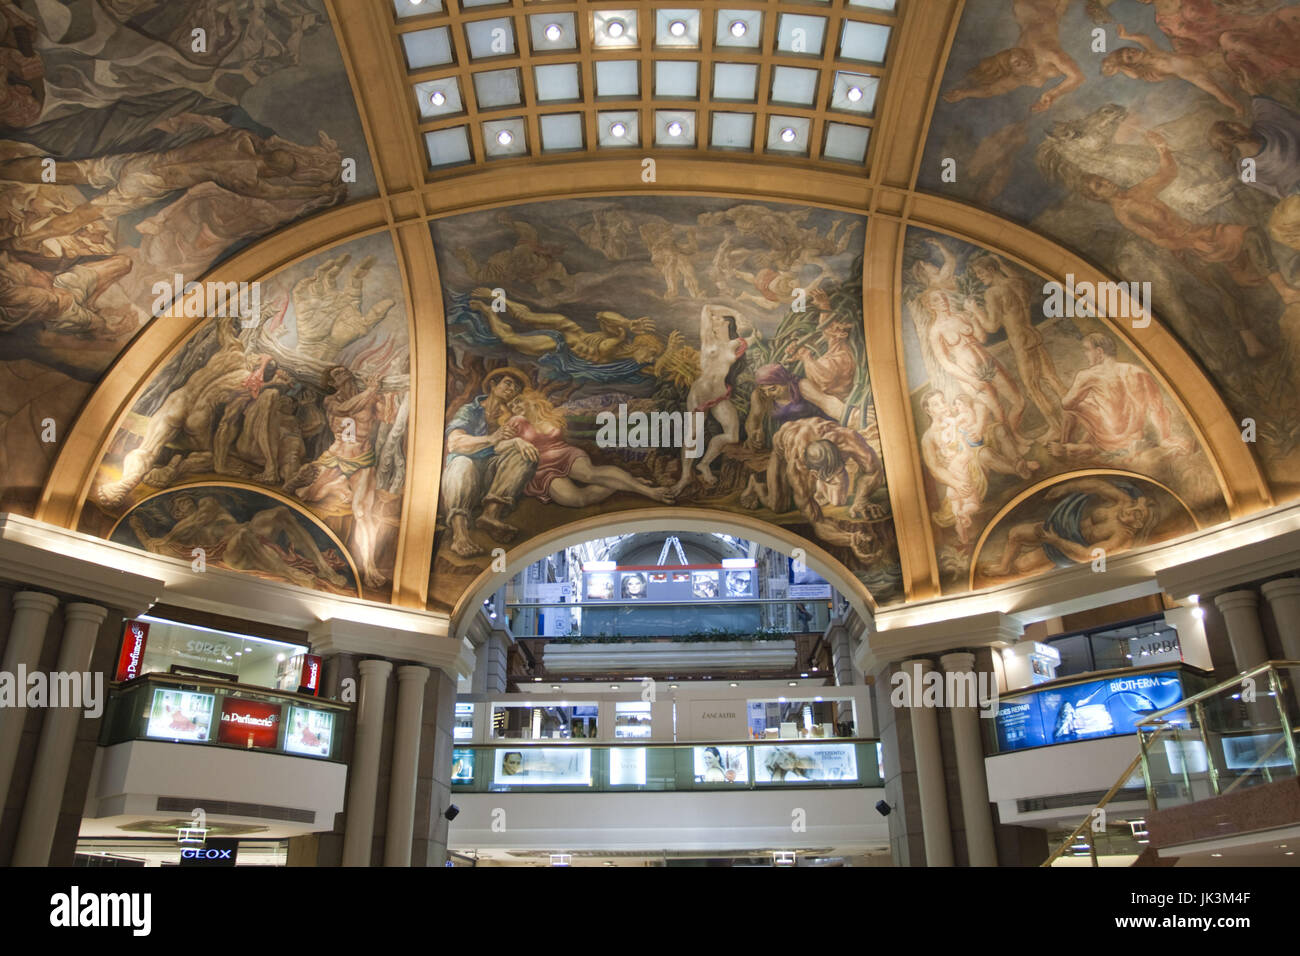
(142, 140)
(570, 321)
(1159, 139)
(1004, 395)
(309, 399)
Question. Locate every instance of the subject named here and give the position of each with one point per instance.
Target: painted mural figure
(486, 464)
(252, 545)
(1036, 59)
(560, 466)
(1089, 513)
(529, 260)
(21, 71)
(953, 460)
(1150, 63)
(342, 480)
(1109, 407)
(329, 315)
(1006, 306)
(722, 343)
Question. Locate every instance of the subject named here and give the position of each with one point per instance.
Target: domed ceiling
(863, 256)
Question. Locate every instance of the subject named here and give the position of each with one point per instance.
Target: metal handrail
(1157, 725)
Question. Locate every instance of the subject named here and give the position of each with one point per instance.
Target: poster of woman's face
(704, 584)
(633, 586)
(738, 583)
(600, 587)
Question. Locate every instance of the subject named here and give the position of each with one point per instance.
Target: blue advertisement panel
(1103, 708)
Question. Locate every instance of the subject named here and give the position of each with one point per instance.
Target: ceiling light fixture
(505, 137)
(615, 29)
(738, 28)
(618, 129)
(674, 129)
(553, 32)
(437, 97)
(854, 94)
(787, 135)
(677, 28)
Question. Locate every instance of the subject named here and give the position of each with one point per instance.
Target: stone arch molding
(660, 520)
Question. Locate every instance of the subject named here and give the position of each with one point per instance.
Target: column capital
(35, 601)
(1281, 588)
(958, 662)
(1233, 600)
(917, 667)
(92, 613)
(412, 672)
(375, 667)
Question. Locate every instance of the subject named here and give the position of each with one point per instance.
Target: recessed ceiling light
(793, 683)
(1216, 854)
(677, 28)
(738, 28)
(505, 137)
(537, 679)
(674, 128)
(555, 687)
(613, 687)
(615, 28)
(672, 686)
(734, 684)
(854, 94)
(617, 129)
(787, 135)
(553, 32)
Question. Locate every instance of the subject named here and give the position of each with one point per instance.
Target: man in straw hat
(483, 455)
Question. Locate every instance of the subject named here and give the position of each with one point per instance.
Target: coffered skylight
(500, 81)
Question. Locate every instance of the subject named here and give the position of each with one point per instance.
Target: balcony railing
(1240, 733)
(574, 766)
(216, 713)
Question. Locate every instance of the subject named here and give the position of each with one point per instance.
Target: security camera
(883, 808)
(453, 811)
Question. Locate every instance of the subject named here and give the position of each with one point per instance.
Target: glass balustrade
(1238, 734)
(617, 768)
(220, 714)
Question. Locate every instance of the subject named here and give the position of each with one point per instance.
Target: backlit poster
(1086, 711)
(627, 766)
(180, 715)
(740, 584)
(721, 765)
(805, 763)
(249, 723)
(600, 587)
(462, 765)
(543, 766)
(311, 732)
(704, 584)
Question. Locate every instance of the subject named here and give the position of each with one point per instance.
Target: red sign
(129, 662)
(249, 723)
(310, 679)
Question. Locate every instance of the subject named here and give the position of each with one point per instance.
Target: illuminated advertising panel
(805, 763)
(134, 638)
(249, 723)
(462, 765)
(543, 766)
(310, 733)
(180, 715)
(1087, 711)
(627, 766)
(721, 765)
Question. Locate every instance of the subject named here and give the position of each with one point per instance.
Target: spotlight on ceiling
(615, 29)
(787, 135)
(675, 129)
(505, 137)
(677, 28)
(854, 94)
(738, 28)
(618, 129)
(553, 32)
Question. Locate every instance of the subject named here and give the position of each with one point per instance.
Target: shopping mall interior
(585, 433)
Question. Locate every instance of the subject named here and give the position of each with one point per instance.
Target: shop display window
(168, 647)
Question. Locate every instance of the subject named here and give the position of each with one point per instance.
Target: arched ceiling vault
(410, 196)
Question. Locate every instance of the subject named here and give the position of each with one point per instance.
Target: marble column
(32, 610)
(931, 790)
(58, 734)
(971, 778)
(1284, 598)
(1240, 610)
(363, 774)
(406, 755)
